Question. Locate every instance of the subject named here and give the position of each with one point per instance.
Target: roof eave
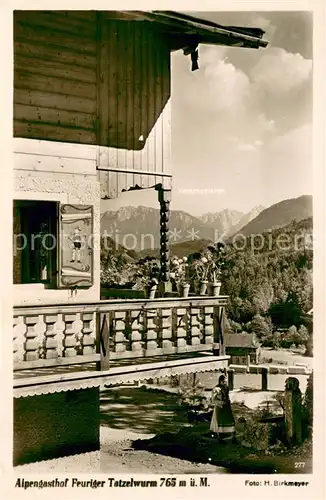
(229, 42)
(176, 24)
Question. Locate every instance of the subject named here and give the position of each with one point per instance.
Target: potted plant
(204, 275)
(179, 274)
(214, 286)
(216, 262)
(148, 272)
(198, 265)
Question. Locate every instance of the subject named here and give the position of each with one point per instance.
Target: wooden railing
(64, 334)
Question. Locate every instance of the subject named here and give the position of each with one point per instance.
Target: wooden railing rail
(64, 334)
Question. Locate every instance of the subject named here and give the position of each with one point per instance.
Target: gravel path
(83, 463)
(118, 456)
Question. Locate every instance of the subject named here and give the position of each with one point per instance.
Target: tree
(308, 407)
(260, 326)
(286, 313)
(304, 290)
(263, 298)
(292, 331)
(290, 337)
(271, 281)
(277, 336)
(235, 327)
(303, 334)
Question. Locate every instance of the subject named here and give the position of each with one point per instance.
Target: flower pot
(196, 287)
(184, 290)
(150, 291)
(203, 287)
(214, 288)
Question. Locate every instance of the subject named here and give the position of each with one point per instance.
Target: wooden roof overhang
(184, 31)
(180, 32)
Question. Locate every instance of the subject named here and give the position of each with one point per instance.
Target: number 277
(299, 465)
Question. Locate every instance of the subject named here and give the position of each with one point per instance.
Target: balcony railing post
(98, 337)
(221, 330)
(102, 341)
(164, 198)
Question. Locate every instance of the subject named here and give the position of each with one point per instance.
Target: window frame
(28, 227)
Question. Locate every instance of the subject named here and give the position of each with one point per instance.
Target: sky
(242, 123)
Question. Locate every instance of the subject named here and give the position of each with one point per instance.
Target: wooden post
(264, 379)
(103, 334)
(218, 331)
(293, 411)
(164, 198)
(98, 339)
(231, 379)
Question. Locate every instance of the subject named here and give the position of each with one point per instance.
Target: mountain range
(279, 215)
(223, 221)
(137, 228)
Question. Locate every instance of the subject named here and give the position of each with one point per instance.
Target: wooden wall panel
(144, 70)
(130, 112)
(84, 78)
(58, 86)
(29, 49)
(73, 22)
(45, 35)
(45, 115)
(137, 67)
(49, 132)
(56, 69)
(55, 77)
(138, 58)
(166, 110)
(54, 101)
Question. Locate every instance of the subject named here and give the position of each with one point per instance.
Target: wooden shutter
(76, 234)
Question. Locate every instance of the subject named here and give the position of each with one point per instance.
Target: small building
(241, 345)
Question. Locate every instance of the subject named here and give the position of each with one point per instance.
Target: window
(35, 242)
(53, 244)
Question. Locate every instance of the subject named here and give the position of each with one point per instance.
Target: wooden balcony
(109, 330)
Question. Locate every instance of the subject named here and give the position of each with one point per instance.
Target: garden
(262, 445)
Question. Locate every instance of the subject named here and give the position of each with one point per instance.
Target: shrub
(308, 408)
(269, 342)
(235, 327)
(268, 437)
(260, 326)
(255, 434)
(148, 271)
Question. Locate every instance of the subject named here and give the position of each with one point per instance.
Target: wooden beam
(120, 305)
(69, 381)
(59, 361)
